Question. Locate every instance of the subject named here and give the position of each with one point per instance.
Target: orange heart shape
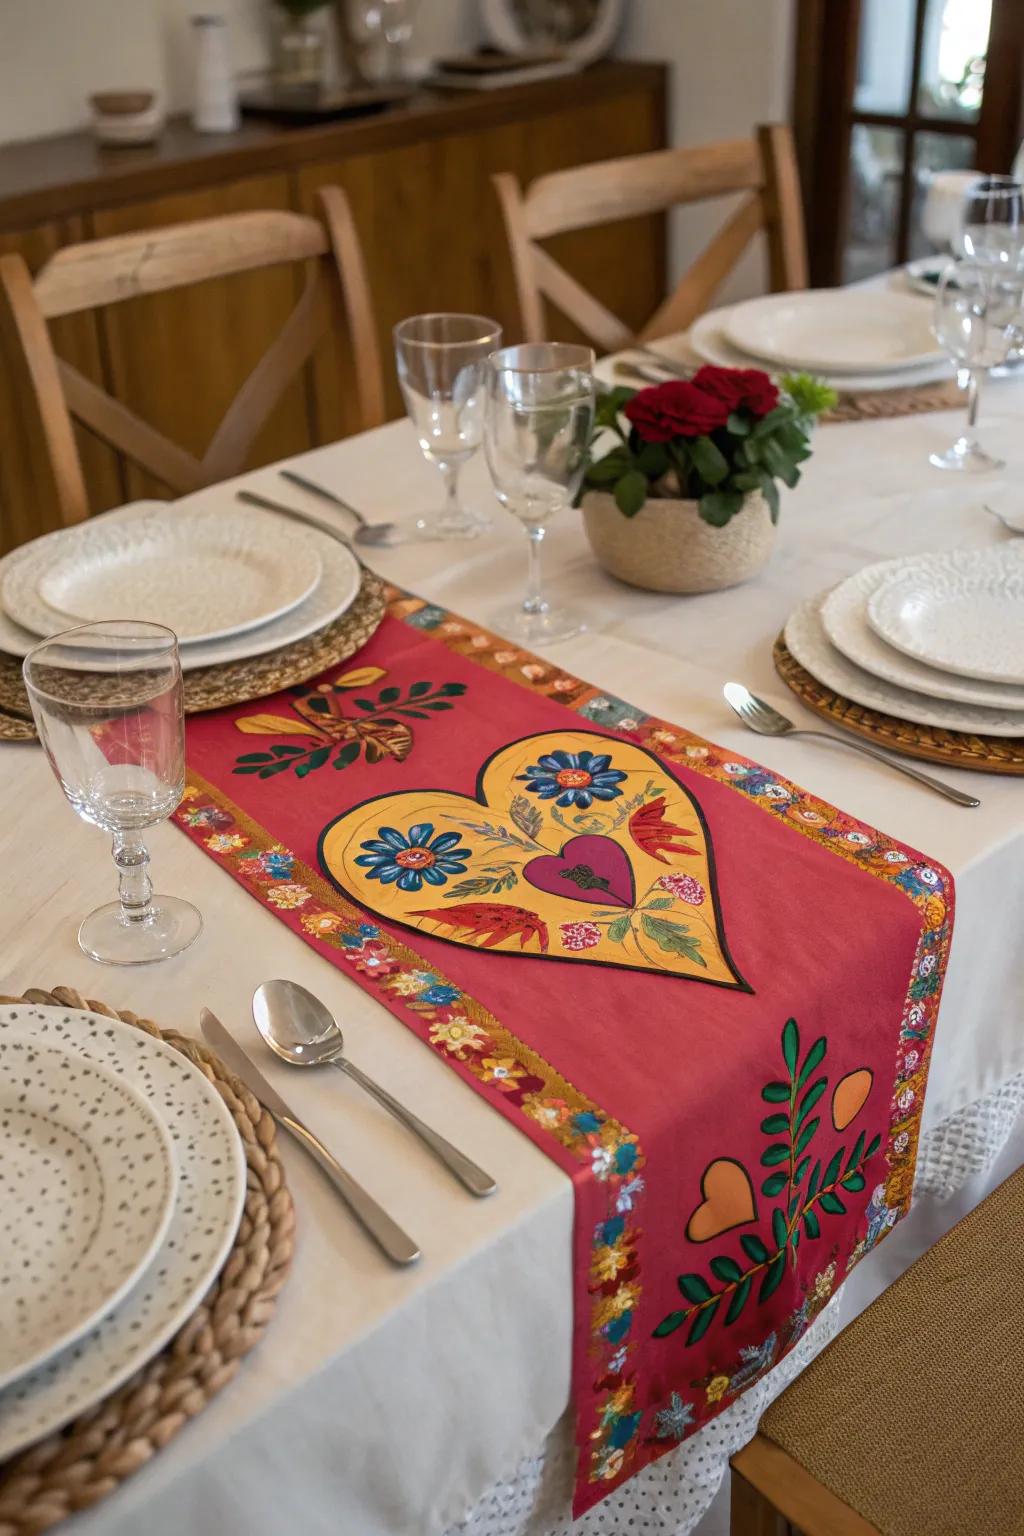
(849, 1097)
(576, 847)
(728, 1201)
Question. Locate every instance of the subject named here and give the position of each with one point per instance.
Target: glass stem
(973, 393)
(135, 889)
(452, 509)
(533, 602)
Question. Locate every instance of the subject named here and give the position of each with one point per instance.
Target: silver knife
(386, 1233)
(254, 499)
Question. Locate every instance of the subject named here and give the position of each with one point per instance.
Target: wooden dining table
(387, 1402)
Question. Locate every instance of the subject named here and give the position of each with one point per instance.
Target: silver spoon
(300, 1029)
(377, 535)
(766, 721)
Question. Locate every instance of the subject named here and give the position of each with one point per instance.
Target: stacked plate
(855, 339)
(122, 1180)
(231, 582)
(937, 639)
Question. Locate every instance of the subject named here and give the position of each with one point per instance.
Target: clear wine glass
(107, 702)
(442, 369)
(978, 322)
(539, 420)
(992, 233)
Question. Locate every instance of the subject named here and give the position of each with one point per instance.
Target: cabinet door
(27, 503)
(179, 358)
(434, 238)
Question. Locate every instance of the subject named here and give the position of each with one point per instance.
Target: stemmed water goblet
(107, 700)
(992, 231)
(442, 370)
(540, 415)
(978, 321)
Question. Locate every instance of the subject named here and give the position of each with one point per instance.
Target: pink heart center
(590, 868)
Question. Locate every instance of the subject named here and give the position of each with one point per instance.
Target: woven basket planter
(668, 547)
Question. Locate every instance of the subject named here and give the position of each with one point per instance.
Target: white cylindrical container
(215, 108)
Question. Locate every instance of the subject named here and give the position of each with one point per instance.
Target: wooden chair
(911, 1422)
(102, 272)
(642, 184)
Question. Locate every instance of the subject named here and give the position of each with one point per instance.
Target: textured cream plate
(206, 1211)
(709, 340)
(87, 1182)
(845, 616)
(204, 573)
(336, 591)
(834, 330)
(809, 644)
(961, 610)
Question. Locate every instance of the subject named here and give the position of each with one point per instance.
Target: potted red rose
(686, 496)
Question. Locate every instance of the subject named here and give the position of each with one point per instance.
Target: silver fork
(766, 721)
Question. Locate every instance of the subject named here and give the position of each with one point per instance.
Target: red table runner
(707, 995)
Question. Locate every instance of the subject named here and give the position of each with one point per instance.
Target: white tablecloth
(383, 1402)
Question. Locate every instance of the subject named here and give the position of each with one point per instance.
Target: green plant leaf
(452, 690)
(775, 1093)
(810, 1098)
(631, 493)
(709, 461)
(702, 1322)
(617, 931)
(288, 751)
(853, 1181)
(873, 1146)
(770, 491)
(772, 1277)
(694, 1287)
(773, 1184)
(365, 704)
(779, 1153)
(611, 468)
(800, 1170)
(831, 1202)
(779, 1228)
(279, 767)
(659, 904)
(812, 1188)
(811, 1224)
(832, 1171)
(815, 1056)
(719, 507)
(348, 754)
(774, 1125)
(653, 460)
(739, 1300)
(255, 757)
(806, 1135)
(854, 1158)
(738, 424)
(315, 760)
(754, 1248)
(791, 1044)
(724, 1268)
(669, 1324)
(673, 938)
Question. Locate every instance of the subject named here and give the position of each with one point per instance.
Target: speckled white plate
(961, 610)
(336, 591)
(844, 614)
(87, 1181)
(206, 1210)
(808, 642)
(837, 330)
(205, 573)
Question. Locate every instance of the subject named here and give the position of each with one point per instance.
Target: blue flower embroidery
(394, 858)
(576, 778)
(440, 994)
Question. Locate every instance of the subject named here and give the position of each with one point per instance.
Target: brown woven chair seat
(911, 1423)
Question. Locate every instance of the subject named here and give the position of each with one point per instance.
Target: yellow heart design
(576, 847)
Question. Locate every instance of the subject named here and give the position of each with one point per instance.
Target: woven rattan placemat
(237, 682)
(879, 404)
(957, 749)
(90, 1457)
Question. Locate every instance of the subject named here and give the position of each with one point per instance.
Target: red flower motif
(739, 388)
(675, 409)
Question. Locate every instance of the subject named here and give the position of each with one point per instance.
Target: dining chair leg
(751, 1514)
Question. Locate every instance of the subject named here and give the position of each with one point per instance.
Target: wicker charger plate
(236, 682)
(86, 1460)
(957, 749)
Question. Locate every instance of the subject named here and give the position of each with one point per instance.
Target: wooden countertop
(47, 178)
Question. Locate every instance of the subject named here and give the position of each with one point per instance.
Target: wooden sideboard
(418, 176)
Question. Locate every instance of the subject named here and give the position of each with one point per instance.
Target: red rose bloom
(739, 388)
(676, 409)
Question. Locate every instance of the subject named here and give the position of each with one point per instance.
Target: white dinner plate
(206, 1211)
(809, 644)
(87, 1181)
(204, 572)
(709, 340)
(845, 616)
(837, 330)
(336, 591)
(961, 610)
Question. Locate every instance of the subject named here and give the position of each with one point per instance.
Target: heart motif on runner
(576, 847)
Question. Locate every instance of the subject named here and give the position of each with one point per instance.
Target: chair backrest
(589, 195)
(103, 272)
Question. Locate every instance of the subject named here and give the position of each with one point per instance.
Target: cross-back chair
(764, 167)
(97, 273)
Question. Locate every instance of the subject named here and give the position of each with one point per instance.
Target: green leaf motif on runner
(773, 1184)
(529, 818)
(702, 1321)
(669, 1324)
(775, 1093)
(618, 930)
(739, 1300)
(790, 1044)
(694, 1287)
(754, 1248)
(724, 1268)
(673, 938)
(774, 1125)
